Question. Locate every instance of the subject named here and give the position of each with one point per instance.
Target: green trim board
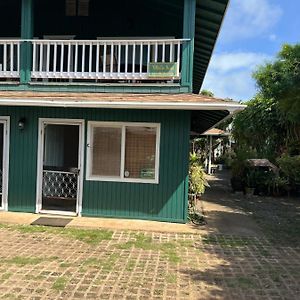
(26, 33)
(165, 201)
(100, 88)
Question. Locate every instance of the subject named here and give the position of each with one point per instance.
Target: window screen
(140, 149)
(123, 152)
(106, 151)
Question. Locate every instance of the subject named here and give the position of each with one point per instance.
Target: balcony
(97, 61)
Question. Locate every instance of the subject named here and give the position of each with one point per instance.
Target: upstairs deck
(94, 61)
(96, 44)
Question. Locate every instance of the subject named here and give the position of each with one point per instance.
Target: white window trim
(122, 125)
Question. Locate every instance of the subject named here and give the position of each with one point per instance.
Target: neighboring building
(97, 99)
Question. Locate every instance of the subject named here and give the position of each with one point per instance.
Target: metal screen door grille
(58, 184)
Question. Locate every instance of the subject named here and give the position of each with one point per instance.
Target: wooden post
(26, 47)
(209, 155)
(188, 48)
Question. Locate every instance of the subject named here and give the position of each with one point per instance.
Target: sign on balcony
(163, 70)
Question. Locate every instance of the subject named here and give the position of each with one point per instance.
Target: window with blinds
(77, 8)
(126, 152)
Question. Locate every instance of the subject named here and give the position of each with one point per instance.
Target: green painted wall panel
(166, 201)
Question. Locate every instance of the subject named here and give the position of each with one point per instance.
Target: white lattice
(60, 184)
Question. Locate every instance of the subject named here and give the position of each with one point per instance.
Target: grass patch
(242, 282)
(130, 265)
(106, 264)
(11, 297)
(65, 265)
(60, 284)
(171, 278)
(6, 276)
(92, 237)
(23, 261)
(146, 243)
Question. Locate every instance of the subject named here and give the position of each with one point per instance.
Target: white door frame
(75, 122)
(6, 132)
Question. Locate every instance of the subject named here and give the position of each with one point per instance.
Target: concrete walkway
(222, 209)
(102, 223)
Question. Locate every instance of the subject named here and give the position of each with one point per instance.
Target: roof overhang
(206, 111)
(209, 18)
(122, 105)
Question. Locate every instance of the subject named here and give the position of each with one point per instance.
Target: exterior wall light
(21, 123)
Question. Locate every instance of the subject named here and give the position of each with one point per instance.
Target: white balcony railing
(9, 58)
(104, 59)
(95, 60)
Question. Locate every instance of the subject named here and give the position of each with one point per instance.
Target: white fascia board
(231, 107)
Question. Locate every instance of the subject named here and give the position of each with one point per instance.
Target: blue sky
(252, 33)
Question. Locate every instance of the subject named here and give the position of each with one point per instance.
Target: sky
(252, 34)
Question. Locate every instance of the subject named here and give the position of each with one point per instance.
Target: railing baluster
(133, 58)
(141, 58)
(18, 59)
(111, 59)
(104, 59)
(55, 57)
(97, 57)
(90, 59)
(148, 56)
(41, 57)
(34, 61)
(171, 52)
(76, 59)
(178, 58)
(156, 52)
(48, 58)
(5, 57)
(62, 58)
(11, 57)
(83, 59)
(119, 58)
(164, 52)
(69, 59)
(126, 59)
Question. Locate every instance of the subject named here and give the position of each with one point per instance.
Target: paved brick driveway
(72, 264)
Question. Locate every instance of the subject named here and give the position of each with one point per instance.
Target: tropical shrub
(290, 168)
(197, 181)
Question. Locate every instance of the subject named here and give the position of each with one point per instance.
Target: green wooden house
(97, 101)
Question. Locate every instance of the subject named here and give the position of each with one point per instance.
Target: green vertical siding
(166, 201)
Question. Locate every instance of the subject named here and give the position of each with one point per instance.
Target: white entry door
(60, 165)
(4, 161)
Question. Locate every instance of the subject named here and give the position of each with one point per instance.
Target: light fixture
(21, 123)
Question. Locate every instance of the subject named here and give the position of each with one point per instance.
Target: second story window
(78, 8)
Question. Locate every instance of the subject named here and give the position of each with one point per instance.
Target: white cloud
(250, 18)
(230, 74)
(226, 62)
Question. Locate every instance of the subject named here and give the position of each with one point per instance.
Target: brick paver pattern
(129, 265)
